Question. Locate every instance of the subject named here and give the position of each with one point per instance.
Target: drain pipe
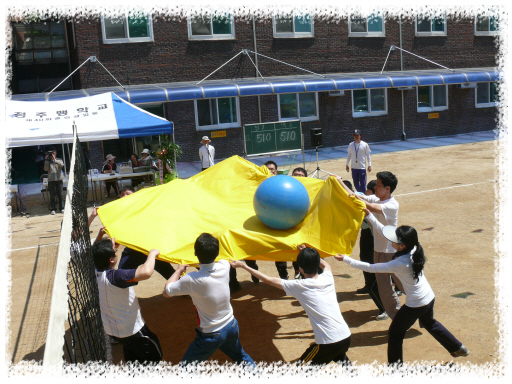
(401, 69)
(256, 62)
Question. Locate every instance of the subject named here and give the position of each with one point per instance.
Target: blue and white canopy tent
(101, 117)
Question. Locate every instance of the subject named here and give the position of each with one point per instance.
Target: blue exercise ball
(281, 202)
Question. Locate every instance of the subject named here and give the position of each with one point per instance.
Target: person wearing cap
(110, 166)
(146, 159)
(408, 264)
(206, 153)
(358, 154)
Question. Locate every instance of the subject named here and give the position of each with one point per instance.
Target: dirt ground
(446, 193)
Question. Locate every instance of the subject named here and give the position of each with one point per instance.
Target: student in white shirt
(407, 264)
(358, 154)
(385, 208)
(317, 295)
(120, 310)
(209, 290)
(206, 153)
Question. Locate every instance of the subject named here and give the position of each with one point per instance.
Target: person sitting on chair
(109, 166)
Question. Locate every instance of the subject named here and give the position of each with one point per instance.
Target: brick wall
(173, 58)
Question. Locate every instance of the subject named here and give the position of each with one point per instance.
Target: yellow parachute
(219, 201)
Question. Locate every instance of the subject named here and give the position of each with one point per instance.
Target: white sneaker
(61, 211)
(53, 212)
(382, 316)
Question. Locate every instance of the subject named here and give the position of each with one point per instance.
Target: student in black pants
(407, 265)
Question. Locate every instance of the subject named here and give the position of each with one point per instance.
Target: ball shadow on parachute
(254, 224)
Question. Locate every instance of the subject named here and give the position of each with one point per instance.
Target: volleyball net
(75, 331)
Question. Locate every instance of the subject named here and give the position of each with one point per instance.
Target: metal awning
(157, 93)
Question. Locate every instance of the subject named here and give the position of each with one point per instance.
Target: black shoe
(234, 286)
(254, 279)
(363, 290)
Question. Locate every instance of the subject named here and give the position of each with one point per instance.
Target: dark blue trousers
(405, 319)
(359, 179)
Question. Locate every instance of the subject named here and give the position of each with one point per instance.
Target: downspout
(401, 69)
(256, 62)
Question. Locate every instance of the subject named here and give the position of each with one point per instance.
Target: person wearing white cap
(407, 264)
(110, 166)
(206, 153)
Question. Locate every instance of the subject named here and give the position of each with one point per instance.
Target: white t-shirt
(318, 298)
(389, 216)
(209, 290)
(120, 310)
(418, 294)
(358, 154)
(207, 156)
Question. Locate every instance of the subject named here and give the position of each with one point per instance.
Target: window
(293, 26)
(305, 108)
(486, 25)
(130, 28)
(366, 26)
(431, 26)
(217, 113)
(40, 43)
(486, 95)
(211, 27)
(432, 98)
(369, 102)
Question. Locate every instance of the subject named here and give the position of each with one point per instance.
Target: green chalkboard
(282, 136)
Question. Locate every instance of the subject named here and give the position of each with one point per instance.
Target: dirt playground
(446, 193)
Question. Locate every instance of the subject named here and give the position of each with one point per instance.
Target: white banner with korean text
(51, 122)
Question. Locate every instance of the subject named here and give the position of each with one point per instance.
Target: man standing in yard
(358, 153)
(206, 153)
(54, 166)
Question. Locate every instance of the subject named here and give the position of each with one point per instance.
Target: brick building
(175, 55)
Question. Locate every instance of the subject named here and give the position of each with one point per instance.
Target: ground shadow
(351, 296)
(369, 339)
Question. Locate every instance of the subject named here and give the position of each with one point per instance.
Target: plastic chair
(44, 189)
(285, 170)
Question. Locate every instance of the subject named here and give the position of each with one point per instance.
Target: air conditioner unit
(410, 88)
(466, 85)
(336, 93)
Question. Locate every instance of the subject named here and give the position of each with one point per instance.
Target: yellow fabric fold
(219, 201)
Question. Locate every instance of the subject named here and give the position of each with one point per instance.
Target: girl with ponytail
(407, 264)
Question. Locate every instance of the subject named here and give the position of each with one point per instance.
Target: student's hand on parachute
(301, 247)
(182, 267)
(236, 263)
(366, 212)
(339, 256)
(154, 252)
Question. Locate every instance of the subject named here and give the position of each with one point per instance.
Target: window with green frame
(432, 98)
(294, 106)
(369, 102)
(127, 29)
(211, 27)
(486, 94)
(430, 26)
(486, 25)
(366, 26)
(293, 26)
(217, 113)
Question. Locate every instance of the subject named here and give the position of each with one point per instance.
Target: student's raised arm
(274, 281)
(325, 266)
(145, 270)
